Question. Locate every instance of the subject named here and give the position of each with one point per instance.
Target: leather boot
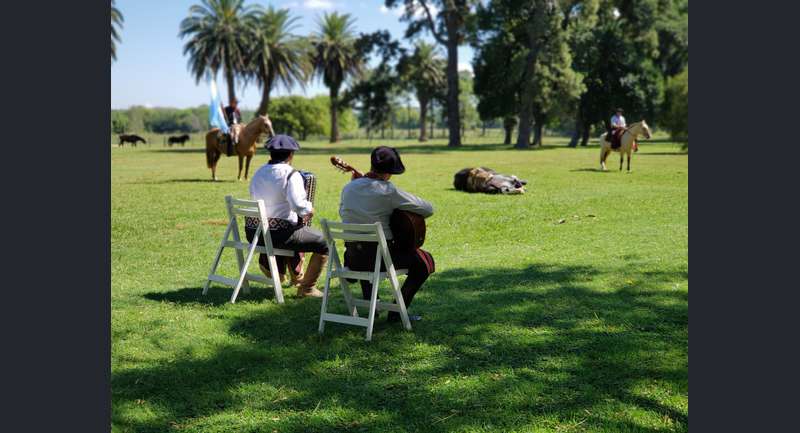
(305, 286)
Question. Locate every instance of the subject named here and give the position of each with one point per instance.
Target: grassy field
(564, 309)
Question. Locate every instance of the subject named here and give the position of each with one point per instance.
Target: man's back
(366, 201)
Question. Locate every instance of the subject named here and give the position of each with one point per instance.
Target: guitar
(408, 228)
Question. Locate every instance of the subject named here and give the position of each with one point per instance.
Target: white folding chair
(249, 208)
(360, 233)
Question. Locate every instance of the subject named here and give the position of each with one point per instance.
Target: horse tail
(211, 148)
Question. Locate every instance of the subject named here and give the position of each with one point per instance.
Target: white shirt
(618, 120)
(283, 199)
(367, 201)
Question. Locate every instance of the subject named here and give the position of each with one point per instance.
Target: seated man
(281, 188)
(373, 198)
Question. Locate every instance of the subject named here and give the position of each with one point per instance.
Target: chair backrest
(332, 231)
(249, 208)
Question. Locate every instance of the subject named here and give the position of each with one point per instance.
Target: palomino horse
(630, 135)
(245, 148)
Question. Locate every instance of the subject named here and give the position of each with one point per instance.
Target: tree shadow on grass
(410, 149)
(216, 295)
(591, 170)
(169, 181)
(498, 349)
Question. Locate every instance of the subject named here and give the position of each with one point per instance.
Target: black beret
(619, 110)
(282, 142)
(386, 160)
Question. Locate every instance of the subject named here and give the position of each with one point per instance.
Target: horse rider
(233, 117)
(618, 122)
(282, 189)
(373, 198)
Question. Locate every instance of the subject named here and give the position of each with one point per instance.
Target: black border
(57, 216)
(56, 222)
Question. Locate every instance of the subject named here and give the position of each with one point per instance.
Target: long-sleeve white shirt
(617, 120)
(367, 201)
(284, 199)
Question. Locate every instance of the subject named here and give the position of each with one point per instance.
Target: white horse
(630, 136)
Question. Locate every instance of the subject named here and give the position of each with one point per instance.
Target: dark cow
(486, 180)
(180, 139)
(132, 138)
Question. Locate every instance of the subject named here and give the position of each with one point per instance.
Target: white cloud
(318, 4)
(464, 66)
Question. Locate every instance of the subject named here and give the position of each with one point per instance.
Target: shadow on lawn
(515, 343)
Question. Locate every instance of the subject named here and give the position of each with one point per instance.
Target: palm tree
(277, 56)
(335, 58)
(425, 72)
(218, 32)
(116, 23)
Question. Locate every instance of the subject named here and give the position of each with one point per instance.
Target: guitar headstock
(341, 165)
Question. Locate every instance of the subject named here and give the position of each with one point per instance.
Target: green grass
(529, 325)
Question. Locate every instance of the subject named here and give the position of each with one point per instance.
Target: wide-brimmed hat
(282, 142)
(387, 160)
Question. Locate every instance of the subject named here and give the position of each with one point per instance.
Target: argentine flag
(216, 118)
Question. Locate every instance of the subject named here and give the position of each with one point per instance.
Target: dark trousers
(360, 256)
(299, 239)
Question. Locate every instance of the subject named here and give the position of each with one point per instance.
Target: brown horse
(245, 148)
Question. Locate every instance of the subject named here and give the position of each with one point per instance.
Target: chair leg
(243, 274)
(398, 297)
(276, 279)
(373, 303)
(325, 294)
(215, 263)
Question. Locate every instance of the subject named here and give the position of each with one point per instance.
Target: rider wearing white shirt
(617, 122)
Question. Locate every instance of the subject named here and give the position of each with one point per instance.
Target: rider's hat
(282, 142)
(619, 110)
(386, 160)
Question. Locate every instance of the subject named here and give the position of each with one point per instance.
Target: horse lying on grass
(628, 137)
(486, 180)
(131, 138)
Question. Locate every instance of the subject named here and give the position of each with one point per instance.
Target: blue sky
(151, 70)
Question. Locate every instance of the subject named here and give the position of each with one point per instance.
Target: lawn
(564, 309)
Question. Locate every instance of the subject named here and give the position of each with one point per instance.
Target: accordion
(310, 185)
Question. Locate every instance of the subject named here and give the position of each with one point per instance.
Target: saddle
(226, 140)
(616, 137)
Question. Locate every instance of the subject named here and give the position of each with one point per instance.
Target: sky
(152, 71)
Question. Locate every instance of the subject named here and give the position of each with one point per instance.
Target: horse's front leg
(247, 166)
(629, 161)
(239, 177)
(621, 158)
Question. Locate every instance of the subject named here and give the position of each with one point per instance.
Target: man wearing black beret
(373, 198)
(284, 194)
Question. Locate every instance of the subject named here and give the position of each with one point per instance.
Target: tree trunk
(229, 78)
(576, 135)
(453, 119)
(264, 106)
(508, 129)
(524, 132)
(483, 129)
(433, 119)
(423, 115)
(585, 132)
(334, 93)
(537, 134)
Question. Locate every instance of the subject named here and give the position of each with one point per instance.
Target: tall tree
(116, 27)
(277, 56)
(450, 27)
(219, 32)
(540, 63)
(495, 81)
(335, 58)
(424, 71)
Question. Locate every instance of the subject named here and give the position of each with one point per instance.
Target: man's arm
(296, 195)
(409, 202)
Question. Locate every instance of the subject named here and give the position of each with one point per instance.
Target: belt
(272, 223)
